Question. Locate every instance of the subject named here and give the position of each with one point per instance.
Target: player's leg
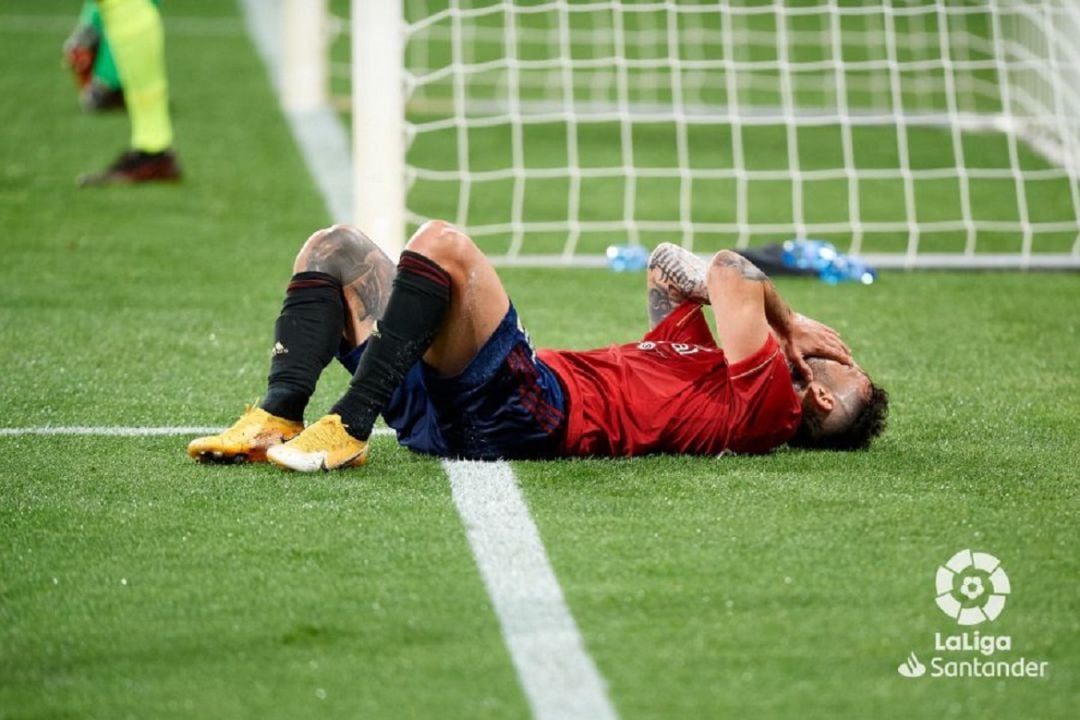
(106, 75)
(90, 57)
(339, 288)
(364, 272)
(340, 285)
(478, 300)
(446, 302)
(134, 31)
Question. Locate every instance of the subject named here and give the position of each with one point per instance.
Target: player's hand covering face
(809, 338)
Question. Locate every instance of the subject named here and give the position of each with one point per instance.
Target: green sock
(104, 66)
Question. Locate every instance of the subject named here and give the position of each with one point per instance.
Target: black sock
(414, 313)
(306, 336)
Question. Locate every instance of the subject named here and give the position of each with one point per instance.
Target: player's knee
(444, 244)
(322, 246)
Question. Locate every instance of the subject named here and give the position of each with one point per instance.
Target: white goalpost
(918, 133)
(378, 121)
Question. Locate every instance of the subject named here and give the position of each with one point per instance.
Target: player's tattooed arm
(777, 312)
(364, 270)
(660, 305)
(674, 275)
(800, 336)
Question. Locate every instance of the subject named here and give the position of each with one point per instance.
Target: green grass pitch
(134, 583)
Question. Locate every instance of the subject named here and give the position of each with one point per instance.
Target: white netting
(905, 127)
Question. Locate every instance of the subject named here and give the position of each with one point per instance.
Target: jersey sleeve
(685, 324)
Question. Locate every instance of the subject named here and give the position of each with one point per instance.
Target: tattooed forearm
(750, 271)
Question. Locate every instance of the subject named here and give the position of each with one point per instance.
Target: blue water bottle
(848, 269)
(823, 258)
(809, 254)
(627, 258)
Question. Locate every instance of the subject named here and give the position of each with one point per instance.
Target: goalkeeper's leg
(90, 57)
(134, 32)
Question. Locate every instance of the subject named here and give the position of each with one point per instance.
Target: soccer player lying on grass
(436, 348)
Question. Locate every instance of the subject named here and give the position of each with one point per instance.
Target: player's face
(838, 391)
(839, 377)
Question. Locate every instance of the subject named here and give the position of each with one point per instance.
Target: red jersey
(675, 392)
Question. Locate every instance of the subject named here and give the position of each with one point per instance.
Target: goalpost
(918, 133)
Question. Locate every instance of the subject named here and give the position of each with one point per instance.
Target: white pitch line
(560, 680)
(115, 431)
(108, 431)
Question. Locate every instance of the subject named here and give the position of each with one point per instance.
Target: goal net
(913, 132)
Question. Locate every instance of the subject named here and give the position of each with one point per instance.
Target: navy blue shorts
(506, 404)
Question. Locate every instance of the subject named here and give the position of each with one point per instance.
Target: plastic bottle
(831, 266)
(627, 258)
(848, 269)
(813, 254)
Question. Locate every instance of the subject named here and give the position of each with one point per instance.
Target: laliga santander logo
(972, 587)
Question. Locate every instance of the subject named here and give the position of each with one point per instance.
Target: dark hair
(867, 425)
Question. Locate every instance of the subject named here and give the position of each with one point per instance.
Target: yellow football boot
(247, 440)
(326, 445)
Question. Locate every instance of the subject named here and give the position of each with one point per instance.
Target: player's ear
(821, 397)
